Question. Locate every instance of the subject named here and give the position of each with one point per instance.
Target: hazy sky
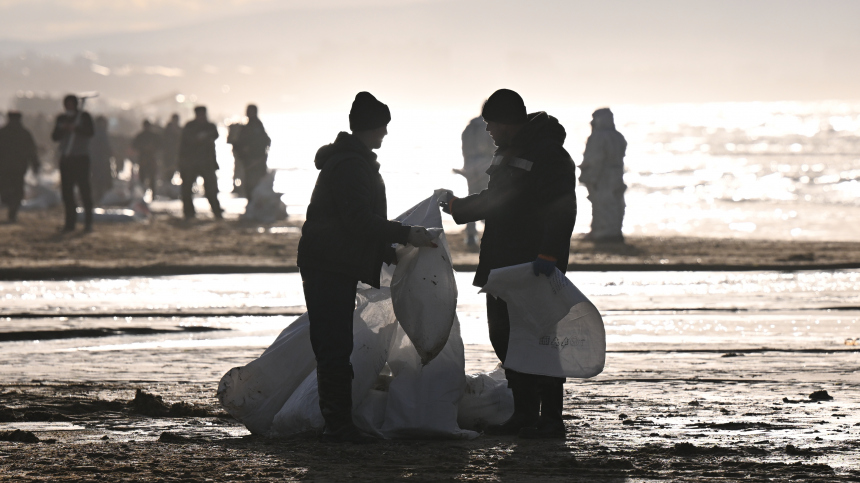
(437, 51)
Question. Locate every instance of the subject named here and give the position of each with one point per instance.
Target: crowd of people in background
(90, 160)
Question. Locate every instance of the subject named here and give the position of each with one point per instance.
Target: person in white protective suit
(478, 149)
(602, 173)
(529, 209)
(345, 240)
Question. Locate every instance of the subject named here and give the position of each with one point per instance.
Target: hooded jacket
(17, 150)
(529, 206)
(347, 230)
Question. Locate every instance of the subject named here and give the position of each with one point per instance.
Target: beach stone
(19, 436)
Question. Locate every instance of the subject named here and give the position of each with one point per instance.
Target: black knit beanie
(505, 106)
(367, 113)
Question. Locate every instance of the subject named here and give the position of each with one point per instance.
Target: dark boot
(550, 425)
(335, 392)
(526, 405)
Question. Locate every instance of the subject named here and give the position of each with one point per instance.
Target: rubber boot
(550, 424)
(335, 392)
(526, 405)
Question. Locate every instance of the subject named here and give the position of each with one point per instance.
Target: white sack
(254, 393)
(423, 398)
(555, 330)
(373, 328)
(423, 287)
(486, 400)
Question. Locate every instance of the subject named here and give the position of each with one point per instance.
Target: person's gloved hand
(420, 237)
(445, 201)
(544, 264)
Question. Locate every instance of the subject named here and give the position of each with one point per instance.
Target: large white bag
(373, 329)
(486, 400)
(254, 393)
(423, 288)
(555, 330)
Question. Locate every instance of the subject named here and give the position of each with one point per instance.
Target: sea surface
(778, 170)
(154, 328)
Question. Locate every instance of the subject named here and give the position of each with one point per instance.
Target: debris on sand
(820, 396)
(154, 405)
(685, 449)
(732, 354)
(19, 436)
(793, 450)
(693, 403)
(167, 437)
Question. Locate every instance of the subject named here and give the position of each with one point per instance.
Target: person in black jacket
(197, 159)
(528, 209)
(251, 150)
(345, 240)
(73, 130)
(17, 153)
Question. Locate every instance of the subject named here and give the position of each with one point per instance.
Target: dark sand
(34, 249)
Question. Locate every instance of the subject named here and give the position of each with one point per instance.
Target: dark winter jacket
(197, 146)
(83, 131)
(252, 143)
(529, 206)
(17, 150)
(347, 229)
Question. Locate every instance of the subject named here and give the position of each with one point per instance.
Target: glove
(390, 256)
(420, 237)
(544, 265)
(446, 199)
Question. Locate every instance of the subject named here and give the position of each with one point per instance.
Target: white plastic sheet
(555, 330)
(423, 287)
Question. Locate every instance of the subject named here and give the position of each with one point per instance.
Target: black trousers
(210, 187)
(12, 192)
(75, 171)
(550, 390)
(330, 298)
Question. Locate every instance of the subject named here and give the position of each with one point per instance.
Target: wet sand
(166, 245)
(649, 417)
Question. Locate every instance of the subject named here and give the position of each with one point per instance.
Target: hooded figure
(346, 238)
(101, 175)
(251, 151)
(528, 209)
(478, 149)
(17, 153)
(602, 173)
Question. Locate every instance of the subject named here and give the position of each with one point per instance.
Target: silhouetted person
(73, 130)
(233, 131)
(602, 173)
(346, 239)
(528, 209)
(147, 143)
(170, 155)
(101, 176)
(17, 153)
(197, 159)
(251, 150)
(478, 149)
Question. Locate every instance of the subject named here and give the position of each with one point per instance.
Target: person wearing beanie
(602, 173)
(528, 208)
(346, 238)
(197, 160)
(17, 153)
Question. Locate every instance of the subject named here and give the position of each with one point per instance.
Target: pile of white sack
(408, 356)
(265, 205)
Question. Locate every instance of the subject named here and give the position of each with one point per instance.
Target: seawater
(779, 170)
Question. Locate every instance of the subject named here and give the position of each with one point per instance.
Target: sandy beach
(141, 406)
(166, 245)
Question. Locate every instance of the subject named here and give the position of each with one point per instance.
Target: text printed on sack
(557, 343)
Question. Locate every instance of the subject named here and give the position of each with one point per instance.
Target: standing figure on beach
(101, 173)
(170, 153)
(17, 153)
(528, 209)
(73, 130)
(197, 159)
(345, 240)
(478, 149)
(602, 173)
(147, 143)
(251, 150)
